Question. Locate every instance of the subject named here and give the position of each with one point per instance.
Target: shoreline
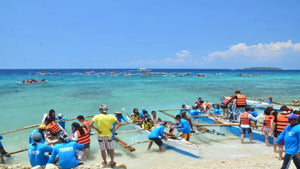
(250, 162)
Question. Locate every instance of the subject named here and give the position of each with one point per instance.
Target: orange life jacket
(53, 127)
(244, 118)
(226, 101)
(282, 122)
(83, 139)
(268, 119)
(241, 100)
(86, 122)
(208, 106)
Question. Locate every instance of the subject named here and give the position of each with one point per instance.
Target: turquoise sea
(74, 91)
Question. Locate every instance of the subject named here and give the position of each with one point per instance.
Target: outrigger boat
(177, 144)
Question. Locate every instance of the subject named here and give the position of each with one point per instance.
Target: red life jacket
(83, 139)
(282, 122)
(53, 127)
(241, 100)
(268, 119)
(244, 118)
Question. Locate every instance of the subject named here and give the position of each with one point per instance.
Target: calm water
(73, 92)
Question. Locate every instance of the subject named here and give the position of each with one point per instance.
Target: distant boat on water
(144, 69)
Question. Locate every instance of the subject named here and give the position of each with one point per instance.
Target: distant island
(262, 68)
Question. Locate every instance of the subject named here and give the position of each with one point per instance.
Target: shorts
(105, 143)
(243, 130)
(86, 145)
(186, 136)
(224, 106)
(267, 130)
(157, 141)
(239, 110)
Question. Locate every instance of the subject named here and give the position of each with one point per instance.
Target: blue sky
(152, 34)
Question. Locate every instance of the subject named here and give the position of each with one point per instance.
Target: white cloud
(181, 57)
(260, 52)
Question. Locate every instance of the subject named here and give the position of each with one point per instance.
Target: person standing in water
(104, 123)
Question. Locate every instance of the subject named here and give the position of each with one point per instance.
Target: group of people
(69, 151)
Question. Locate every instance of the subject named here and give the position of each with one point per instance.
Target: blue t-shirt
(35, 132)
(63, 123)
(184, 126)
(291, 137)
(158, 131)
(66, 153)
(254, 114)
(36, 154)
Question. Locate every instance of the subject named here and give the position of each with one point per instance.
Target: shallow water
(78, 93)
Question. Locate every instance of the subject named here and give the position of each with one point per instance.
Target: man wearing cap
(66, 152)
(184, 127)
(291, 137)
(40, 131)
(104, 123)
(60, 118)
(37, 150)
(156, 135)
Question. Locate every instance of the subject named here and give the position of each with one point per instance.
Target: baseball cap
(144, 109)
(118, 112)
(43, 127)
(60, 115)
(293, 116)
(36, 137)
(103, 107)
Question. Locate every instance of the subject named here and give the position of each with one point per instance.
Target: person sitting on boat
(41, 131)
(66, 152)
(2, 150)
(183, 127)
(225, 105)
(156, 120)
(198, 103)
(144, 110)
(147, 122)
(245, 124)
(136, 116)
(280, 122)
(291, 137)
(120, 117)
(60, 117)
(254, 113)
(207, 107)
(268, 120)
(156, 135)
(37, 151)
(84, 123)
(54, 128)
(81, 135)
(239, 103)
(270, 100)
(188, 118)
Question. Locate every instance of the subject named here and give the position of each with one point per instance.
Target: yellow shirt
(104, 124)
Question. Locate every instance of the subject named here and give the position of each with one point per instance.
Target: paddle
(139, 142)
(35, 125)
(130, 131)
(126, 113)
